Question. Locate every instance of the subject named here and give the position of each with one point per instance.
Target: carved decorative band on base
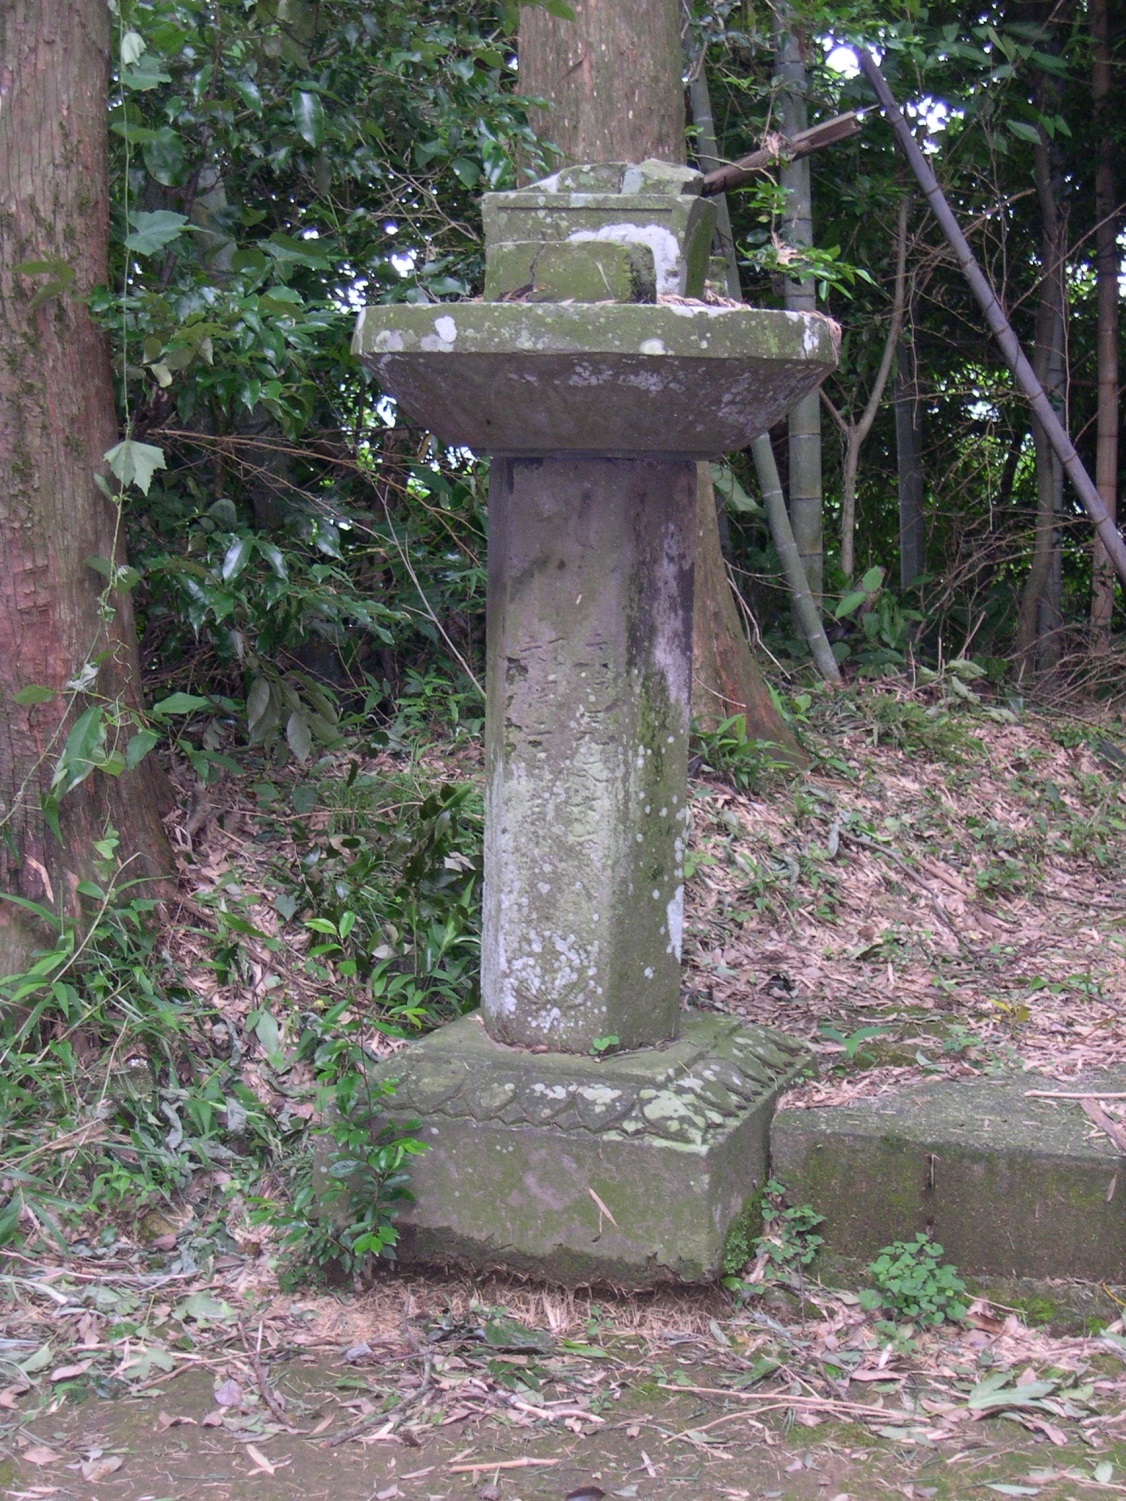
(629, 1169)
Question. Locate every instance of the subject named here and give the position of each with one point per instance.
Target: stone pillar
(583, 1127)
(589, 666)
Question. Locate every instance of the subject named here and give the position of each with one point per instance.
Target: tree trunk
(613, 81)
(909, 463)
(856, 429)
(56, 422)
(1106, 333)
(731, 682)
(801, 297)
(1049, 361)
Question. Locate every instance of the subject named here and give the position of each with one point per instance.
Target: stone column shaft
(589, 677)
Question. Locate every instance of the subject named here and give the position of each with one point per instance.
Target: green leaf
(266, 1031)
(135, 134)
(467, 172)
(249, 92)
(285, 248)
(147, 74)
(850, 602)
(32, 694)
(298, 735)
(135, 463)
(990, 1394)
(510, 1334)
(132, 46)
(236, 558)
(152, 232)
(138, 747)
(257, 701)
(164, 157)
(275, 557)
(1023, 131)
(179, 703)
(872, 580)
(39, 1361)
(731, 491)
(204, 1306)
(10, 1221)
(61, 278)
(81, 753)
(308, 116)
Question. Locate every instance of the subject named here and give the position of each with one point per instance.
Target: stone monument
(582, 1126)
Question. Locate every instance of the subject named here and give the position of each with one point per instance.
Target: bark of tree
(801, 297)
(855, 429)
(56, 421)
(611, 77)
(613, 81)
(1106, 333)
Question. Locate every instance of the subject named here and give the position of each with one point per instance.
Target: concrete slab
(1010, 1186)
(628, 1170)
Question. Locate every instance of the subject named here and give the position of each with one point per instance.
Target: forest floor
(940, 895)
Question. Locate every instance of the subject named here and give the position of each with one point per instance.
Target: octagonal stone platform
(628, 1170)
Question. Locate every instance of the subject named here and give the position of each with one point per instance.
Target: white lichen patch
(599, 1094)
(674, 915)
(662, 242)
(446, 329)
(551, 1091)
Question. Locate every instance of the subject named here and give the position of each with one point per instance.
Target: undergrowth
(130, 1078)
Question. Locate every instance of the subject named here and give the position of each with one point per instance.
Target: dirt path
(645, 1443)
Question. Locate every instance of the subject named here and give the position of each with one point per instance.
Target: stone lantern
(582, 1125)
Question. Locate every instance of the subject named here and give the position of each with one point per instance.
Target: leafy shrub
(914, 1283)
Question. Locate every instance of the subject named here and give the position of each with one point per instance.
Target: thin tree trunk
(801, 297)
(56, 422)
(1106, 333)
(718, 638)
(909, 464)
(806, 611)
(805, 606)
(613, 82)
(1049, 363)
(856, 431)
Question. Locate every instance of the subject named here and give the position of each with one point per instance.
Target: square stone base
(629, 1170)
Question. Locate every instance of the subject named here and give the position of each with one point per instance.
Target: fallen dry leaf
(165, 1420)
(39, 1454)
(97, 1469)
(260, 1460)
